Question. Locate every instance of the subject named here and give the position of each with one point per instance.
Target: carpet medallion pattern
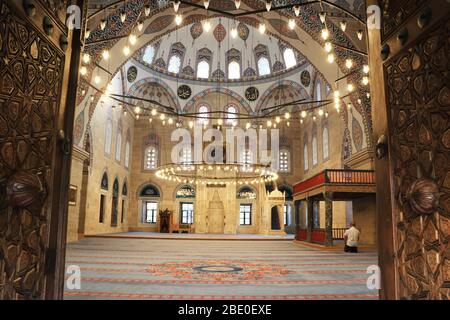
(217, 270)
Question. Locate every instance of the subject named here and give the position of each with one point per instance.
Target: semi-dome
(219, 49)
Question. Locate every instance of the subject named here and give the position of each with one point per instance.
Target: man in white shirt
(351, 238)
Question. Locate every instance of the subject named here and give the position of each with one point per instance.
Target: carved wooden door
(414, 235)
(36, 119)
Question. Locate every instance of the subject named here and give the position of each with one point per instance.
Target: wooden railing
(318, 236)
(336, 176)
(338, 233)
(301, 234)
(349, 176)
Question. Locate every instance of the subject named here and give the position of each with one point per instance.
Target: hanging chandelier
(219, 174)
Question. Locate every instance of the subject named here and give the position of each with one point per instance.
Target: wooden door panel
(417, 86)
(34, 72)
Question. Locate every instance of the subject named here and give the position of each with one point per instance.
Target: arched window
(149, 54)
(325, 143)
(234, 70)
(119, 146)
(289, 58)
(263, 66)
(150, 202)
(203, 112)
(231, 114)
(318, 92)
(151, 158)
(305, 156)
(203, 70)
(284, 160)
(108, 136)
(174, 64)
(127, 154)
(314, 150)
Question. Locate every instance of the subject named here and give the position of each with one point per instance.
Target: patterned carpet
(190, 269)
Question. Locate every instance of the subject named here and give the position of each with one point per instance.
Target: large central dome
(219, 49)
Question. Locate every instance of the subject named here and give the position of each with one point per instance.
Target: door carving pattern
(31, 77)
(418, 102)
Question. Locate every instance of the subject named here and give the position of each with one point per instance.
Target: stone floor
(127, 268)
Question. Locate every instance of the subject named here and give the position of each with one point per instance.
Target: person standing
(351, 238)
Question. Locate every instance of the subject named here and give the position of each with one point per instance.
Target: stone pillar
(328, 196)
(310, 218)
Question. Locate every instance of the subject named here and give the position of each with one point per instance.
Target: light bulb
(303, 114)
(349, 63)
(248, 125)
(83, 71)
(163, 116)
(262, 28)
(137, 110)
(237, 3)
(234, 32)
(170, 121)
(360, 34)
(349, 106)
(154, 112)
(137, 117)
(330, 58)
(220, 122)
(291, 24)
(301, 121)
(350, 87)
(126, 50)
(178, 19)
(320, 112)
(366, 69)
(314, 118)
(147, 10)
(297, 10)
(343, 25)
(123, 17)
(287, 115)
(277, 119)
(325, 34)
(365, 81)
(336, 94)
(140, 26)
(105, 54)
(268, 5)
(207, 26)
(133, 39)
(86, 58)
(322, 16)
(269, 123)
(191, 124)
(328, 47)
(176, 5)
(103, 24)
(206, 4)
(87, 33)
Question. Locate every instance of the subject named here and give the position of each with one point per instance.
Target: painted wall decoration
(305, 78)
(220, 32)
(243, 31)
(347, 145)
(196, 30)
(283, 28)
(252, 94)
(357, 133)
(159, 24)
(78, 128)
(132, 74)
(186, 192)
(184, 92)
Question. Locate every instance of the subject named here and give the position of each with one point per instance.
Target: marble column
(328, 196)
